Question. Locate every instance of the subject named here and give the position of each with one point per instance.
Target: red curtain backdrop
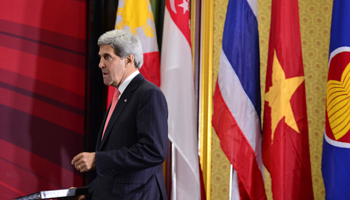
(42, 94)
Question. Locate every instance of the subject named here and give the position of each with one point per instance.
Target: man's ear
(129, 59)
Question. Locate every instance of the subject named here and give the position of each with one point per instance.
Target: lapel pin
(125, 100)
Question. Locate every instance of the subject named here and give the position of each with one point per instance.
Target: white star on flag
(184, 5)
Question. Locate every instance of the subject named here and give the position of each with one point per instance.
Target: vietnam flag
(285, 136)
(136, 16)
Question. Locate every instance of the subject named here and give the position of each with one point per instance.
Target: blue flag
(336, 143)
(237, 102)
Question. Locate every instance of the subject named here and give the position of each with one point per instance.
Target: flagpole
(230, 186)
(173, 171)
(206, 92)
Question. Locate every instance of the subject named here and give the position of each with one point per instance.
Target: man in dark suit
(132, 141)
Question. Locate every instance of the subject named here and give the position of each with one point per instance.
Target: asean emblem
(338, 96)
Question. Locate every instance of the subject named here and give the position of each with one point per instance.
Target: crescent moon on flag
(172, 5)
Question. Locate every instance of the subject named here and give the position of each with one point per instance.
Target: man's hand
(84, 161)
(80, 197)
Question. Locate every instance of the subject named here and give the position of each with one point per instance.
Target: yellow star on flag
(279, 96)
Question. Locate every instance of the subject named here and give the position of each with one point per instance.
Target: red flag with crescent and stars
(285, 135)
(177, 83)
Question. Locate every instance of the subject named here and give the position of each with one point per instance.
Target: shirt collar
(126, 82)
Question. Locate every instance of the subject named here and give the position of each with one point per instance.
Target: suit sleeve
(152, 137)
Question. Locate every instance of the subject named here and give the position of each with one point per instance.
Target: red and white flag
(136, 16)
(237, 102)
(177, 83)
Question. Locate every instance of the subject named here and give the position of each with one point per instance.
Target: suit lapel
(98, 143)
(119, 108)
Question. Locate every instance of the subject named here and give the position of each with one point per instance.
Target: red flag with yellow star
(285, 135)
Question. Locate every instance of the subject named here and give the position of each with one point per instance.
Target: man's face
(112, 66)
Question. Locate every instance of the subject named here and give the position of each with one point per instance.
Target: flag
(237, 101)
(285, 135)
(177, 83)
(136, 16)
(336, 143)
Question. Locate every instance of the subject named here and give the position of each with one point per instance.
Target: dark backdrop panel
(101, 19)
(42, 94)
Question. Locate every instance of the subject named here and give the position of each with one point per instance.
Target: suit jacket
(130, 156)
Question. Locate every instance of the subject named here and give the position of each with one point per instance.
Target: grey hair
(124, 43)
